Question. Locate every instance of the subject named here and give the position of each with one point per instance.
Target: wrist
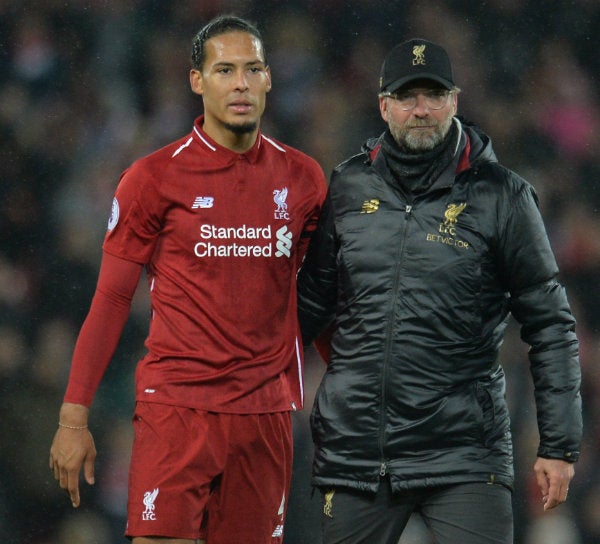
(75, 427)
(73, 416)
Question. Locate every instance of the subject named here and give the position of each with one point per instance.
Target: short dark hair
(223, 24)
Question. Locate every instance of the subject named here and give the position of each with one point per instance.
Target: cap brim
(413, 77)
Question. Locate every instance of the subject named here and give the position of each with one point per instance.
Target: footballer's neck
(238, 138)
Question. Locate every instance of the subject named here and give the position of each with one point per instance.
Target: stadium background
(86, 87)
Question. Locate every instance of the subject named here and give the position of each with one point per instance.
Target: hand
(71, 450)
(553, 476)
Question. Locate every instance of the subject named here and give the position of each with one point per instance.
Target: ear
(196, 81)
(383, 108)
(268, 73)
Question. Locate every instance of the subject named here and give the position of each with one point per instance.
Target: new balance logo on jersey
(203, 202)
(149, 498)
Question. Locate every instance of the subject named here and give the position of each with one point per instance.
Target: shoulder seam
(273, 143)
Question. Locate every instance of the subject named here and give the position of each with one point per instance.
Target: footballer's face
(233, 83)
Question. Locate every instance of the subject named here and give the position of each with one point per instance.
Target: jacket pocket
(490, 394)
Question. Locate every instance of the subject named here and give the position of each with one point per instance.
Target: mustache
(422, 123)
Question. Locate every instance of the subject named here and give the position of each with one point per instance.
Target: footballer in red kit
(223, 235)
(220, 220)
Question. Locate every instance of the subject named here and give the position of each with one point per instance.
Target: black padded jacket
(418, 293)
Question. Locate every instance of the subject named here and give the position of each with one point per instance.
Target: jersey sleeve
(136, 216)
(317, 176)
(102, 327)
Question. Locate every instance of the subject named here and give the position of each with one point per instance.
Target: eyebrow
(249, 63)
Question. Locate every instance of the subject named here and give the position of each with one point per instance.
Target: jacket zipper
(383, 465)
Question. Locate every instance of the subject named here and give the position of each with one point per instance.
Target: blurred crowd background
(86, 87)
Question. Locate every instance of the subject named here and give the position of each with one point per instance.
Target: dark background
(86, 87)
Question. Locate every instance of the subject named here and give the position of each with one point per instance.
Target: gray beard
(417, 144)
(417, 171)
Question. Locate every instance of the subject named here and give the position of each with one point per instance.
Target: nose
(241, 82)
(421, 107)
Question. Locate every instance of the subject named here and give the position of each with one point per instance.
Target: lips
(240, 106)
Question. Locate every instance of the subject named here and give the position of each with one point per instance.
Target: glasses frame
(414, 97)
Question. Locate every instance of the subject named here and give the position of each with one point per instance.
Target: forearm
(102, 328)
(94, 349)
(558, 407)
(317, 280)
(548, 326)
(314, 316)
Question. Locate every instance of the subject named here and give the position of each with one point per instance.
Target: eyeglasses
(435, 99)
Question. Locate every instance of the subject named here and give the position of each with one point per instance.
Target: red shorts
(220, 477)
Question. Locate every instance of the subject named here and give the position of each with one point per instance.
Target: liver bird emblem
(279, 197)
(453, 212)
(419, 55)
(149, 498)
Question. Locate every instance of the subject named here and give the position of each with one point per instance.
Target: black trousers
(470, 513)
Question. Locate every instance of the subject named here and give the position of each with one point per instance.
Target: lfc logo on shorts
(149, 498)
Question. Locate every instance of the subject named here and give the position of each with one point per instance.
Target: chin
(242, 128)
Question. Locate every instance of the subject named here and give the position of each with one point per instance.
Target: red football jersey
(222, 236)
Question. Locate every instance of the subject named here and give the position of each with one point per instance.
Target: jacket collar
(460, 162)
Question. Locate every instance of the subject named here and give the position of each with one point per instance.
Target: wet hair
(222, 24)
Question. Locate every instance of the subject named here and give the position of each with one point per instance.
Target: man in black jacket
(425, 246)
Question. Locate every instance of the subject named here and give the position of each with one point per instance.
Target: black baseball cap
(412, 60)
